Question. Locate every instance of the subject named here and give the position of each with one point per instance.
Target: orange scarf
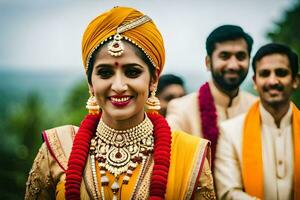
(252, 162)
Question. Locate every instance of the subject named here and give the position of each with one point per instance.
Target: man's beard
(229, 84)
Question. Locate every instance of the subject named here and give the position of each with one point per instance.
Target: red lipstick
(120, 100)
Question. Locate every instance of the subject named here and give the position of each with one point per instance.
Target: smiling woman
(121, 150)
(121, 86)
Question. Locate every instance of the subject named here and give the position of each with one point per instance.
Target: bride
(123, 149)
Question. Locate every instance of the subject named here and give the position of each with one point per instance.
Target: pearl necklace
(80, 151)
(120, 151)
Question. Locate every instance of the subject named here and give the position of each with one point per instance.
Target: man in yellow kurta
(258, 153)
(228, 53)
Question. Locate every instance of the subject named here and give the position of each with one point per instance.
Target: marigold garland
(208, 117)
(80, 150)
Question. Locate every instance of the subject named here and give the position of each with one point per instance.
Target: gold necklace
(120, 151)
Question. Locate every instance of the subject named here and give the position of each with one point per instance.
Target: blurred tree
(21, 129)
(287, 31)
(19, 145)
(74, 106)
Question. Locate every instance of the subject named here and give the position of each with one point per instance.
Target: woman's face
(121, 86)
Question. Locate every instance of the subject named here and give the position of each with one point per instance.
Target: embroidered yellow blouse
(189, 156)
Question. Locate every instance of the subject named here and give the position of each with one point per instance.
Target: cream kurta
(278, 163)
(183, 113)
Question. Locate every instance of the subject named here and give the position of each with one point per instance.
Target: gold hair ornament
(116, 47)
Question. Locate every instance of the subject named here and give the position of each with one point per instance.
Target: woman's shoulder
(61, 131)
(59, 141)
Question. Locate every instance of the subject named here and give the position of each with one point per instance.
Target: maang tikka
(116, 47)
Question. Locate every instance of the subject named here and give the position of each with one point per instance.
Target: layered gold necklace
(120, 151)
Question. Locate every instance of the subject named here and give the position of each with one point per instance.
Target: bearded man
(228, 53)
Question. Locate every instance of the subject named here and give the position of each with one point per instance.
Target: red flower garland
(208, 117)
(80, 150)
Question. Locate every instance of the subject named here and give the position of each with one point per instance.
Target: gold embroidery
(206, 193)
(195, 168)
(36, 182)
(55, 145)
(205, 188)
(143, 189)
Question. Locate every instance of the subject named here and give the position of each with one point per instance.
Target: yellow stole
(252, 162)
(186, 165)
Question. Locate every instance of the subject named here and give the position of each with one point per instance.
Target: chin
(276, 102)
(120, 116)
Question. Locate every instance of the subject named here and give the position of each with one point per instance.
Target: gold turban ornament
(145, 36)
(128, 24)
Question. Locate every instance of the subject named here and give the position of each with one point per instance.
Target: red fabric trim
(45, 137)
(208, 117)
(200, 171)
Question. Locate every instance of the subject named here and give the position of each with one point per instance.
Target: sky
(44, 35)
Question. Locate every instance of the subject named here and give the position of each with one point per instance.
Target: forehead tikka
(116, 47)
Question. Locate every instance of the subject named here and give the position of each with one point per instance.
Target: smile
(123, 99)
(120, 101)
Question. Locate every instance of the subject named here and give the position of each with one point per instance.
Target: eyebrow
(230, 52)
(123, 66)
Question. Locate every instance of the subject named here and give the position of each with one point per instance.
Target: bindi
(116, 64)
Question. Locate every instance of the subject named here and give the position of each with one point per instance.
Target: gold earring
(92, 105)
(152, 103)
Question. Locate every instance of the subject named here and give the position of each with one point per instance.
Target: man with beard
(228, 53)
(258, 154)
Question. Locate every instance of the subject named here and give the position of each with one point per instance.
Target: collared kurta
(277, 154)
(183, 113)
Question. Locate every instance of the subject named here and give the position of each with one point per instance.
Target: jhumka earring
(92, 105)
(152, 103)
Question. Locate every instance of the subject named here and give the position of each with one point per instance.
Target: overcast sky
(46, 34)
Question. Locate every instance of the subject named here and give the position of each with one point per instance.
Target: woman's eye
(133, 72)
(105, 73)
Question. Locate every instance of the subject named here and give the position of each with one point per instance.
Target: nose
(233, 63)
(119, 84)
(273, 79)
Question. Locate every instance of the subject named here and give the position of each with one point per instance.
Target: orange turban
(146, 36)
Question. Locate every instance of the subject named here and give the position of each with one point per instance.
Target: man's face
(273, 80)
(229, 64)
(167, 94)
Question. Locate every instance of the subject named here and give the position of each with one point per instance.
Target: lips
(273, 90)
(120, 101)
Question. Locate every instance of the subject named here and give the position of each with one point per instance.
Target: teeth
(123, 99)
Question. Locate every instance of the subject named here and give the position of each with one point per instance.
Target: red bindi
(116, 63)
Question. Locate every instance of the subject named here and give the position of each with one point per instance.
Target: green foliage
(19, 144)
(287, 31)
(74, 105)
(21, 127)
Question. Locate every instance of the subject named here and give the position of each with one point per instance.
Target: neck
(277, 111)
(121, 124)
